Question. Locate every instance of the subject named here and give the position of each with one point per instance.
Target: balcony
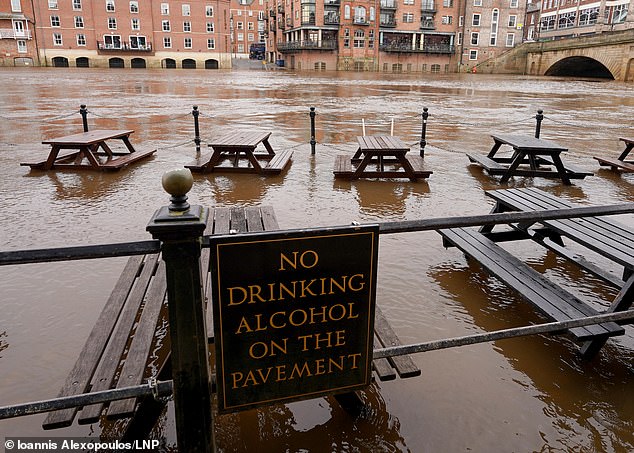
(335, 3)
(10, 33)
(298, 46)
(360, 20)
(428, 7)
(123, 47)
(331, 19)
(407, 48)
(280, 9)
(388, 4)
(272, 12)
(427, 25)
(388, 23)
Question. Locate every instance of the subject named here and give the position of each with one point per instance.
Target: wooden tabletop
(528, 143)
(246, 139)
(381, 143)
(88, 138)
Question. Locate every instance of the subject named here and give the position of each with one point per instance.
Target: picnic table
(239, 148)
(380, 150)
(601, 236)
(89, 150)
(619, 163)
(537, 153)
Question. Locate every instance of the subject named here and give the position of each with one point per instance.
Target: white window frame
(477, 2)
(167, 42)
(165, 9)
(16, 6)
(211, 43)
(79, 21)
(57, 39)
(81, 40)
(514, 3)
(186, 9)
(209, 11)
(474, 22)
(187, 43)
(166, 25)
(77, 6)
(134, 7)
(473, 54)
(112, 23)
(138, 42)
(510, 39)
(476, 35)
(512, 20)
(135, 24)
(187, 26)
(55, 21)
(110, 6)
(210, 27)
(52, 4)
(21, 43)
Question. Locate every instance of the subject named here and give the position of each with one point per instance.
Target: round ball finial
(178, 183)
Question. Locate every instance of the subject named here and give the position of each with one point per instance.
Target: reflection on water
(522, 395)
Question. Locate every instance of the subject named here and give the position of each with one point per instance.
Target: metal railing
(292, 46)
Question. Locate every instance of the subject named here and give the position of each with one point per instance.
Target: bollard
(195, 114)
(538, 126)
(423, 132)
(180, 227)
(312, 131)
(84, 116)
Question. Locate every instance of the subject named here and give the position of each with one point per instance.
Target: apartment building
(18, 46)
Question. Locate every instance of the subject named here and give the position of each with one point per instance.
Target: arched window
(346, 12)
(359, 15)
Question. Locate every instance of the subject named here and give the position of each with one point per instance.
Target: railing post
(423, 132)
(179, 227)
(313, 142)
(195, 114)
(83, 111)
(538, 126)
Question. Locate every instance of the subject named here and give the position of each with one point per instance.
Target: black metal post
(180, 228)
(423, 132)
(538, 126)
(83, 111)
(195, 114)
(313, 142)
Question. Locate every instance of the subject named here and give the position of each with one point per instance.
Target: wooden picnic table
(620, 163)
(381, 150)
(238, 147)
(537, 153)
(90, 151)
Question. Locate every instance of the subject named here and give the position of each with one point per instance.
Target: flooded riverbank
(530, 394)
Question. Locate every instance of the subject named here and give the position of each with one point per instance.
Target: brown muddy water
(522, 395)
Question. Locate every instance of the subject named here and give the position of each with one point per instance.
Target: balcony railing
(388, 23)
(297, 46)
(427, 25)
(331, 19)
(388, 4)
(123, 47)
(309, 21)
(360, 20)
(10, 33)
(407, 48)
(332, 3)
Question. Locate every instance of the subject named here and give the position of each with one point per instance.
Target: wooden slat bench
(118, 349)
(620, 163)
(548, 297)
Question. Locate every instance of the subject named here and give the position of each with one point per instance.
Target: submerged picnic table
(86, 152)
(238, 147)
(538, 153)
(604, 237)
(380, 150)
(620, 163)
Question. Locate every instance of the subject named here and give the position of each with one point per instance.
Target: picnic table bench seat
(118, 351)
(619, 163)
(548, 297)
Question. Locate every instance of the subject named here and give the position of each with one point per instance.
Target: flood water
(521, 395)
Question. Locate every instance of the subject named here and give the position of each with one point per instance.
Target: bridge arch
(579, 66)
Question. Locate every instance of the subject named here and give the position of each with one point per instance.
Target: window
(407, 2)
(52, 4)
(359, 15)
(21, 46)
(112, 41)
(186, 9)
(134, 7)
(372, 14)
(188, 43)
(241, 48)
(57, 39)
(112, 23)
(211, 43)
(567, 20)
(346, 12)
(16, 6)
(81, 39)
(166, 25)
(513, 4)
(110, 6)
(435, 69)
(55, 21)
(250, 37)
(477, 2)
(165, 10)
(346, 39)
(187, 27)
(475, 39)
(260, 15)
(460, 21)
(240, 37)
(240, 25)
(77, 5)
(512, 21)
(447, 3)
(495, 17)
(138, 42)
(548, 23)
(167, 42)
(446, 20)
(588, 16)
(459, 39)
(475, 21)
(408, 18)
(209, 12)
(250, 26)
(359, 39)
(135, 24)
(510, 39)
(210, 27)
(79, 22)
(427, 5)
(473, 54)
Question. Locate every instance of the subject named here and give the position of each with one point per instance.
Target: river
(521, 395)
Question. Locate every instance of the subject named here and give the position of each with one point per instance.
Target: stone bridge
(606, 55)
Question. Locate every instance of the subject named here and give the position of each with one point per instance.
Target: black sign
(293, 314)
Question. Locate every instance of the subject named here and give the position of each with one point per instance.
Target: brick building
(18, 46)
